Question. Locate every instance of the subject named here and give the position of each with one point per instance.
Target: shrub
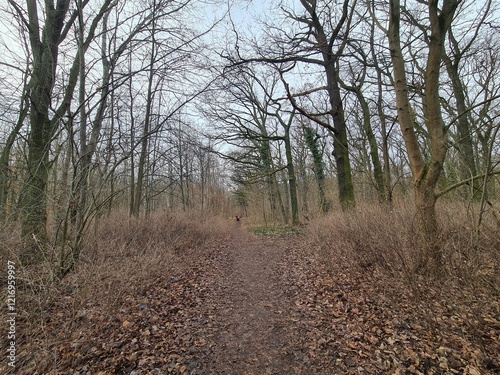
(371, 237)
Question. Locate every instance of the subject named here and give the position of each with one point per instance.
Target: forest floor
(253, 304)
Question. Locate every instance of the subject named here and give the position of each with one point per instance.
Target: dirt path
(257, 317)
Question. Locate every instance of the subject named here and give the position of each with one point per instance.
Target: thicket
(381, 243)
(120, 258)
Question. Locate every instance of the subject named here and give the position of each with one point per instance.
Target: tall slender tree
(45, 39)
(425, 171)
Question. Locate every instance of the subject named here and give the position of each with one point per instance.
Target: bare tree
(147, 119)
(311, 139)
(45, 40)
(357, 73)
(320, 39)
(5, 170)
(251, 116)
(425, 172)
(456, 53)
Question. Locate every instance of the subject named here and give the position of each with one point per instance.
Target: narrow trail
(243, 305)
(254, 307)
(256, 316)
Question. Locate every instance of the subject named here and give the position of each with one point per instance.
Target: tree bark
(292, 181)
(5, 159)
(340, 143)
(318, 169)
(464, 143)
(425, 173)
(147, 122)
(330, 58)
(45, 50)
(378, 173)
(44, 44)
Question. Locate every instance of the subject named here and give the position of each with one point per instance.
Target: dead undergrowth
(122, 255)
(379, 240)
(452, 319)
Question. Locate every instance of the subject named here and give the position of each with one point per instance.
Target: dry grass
(128, 251)
(120, 256)
(371, 254)
(377, 240)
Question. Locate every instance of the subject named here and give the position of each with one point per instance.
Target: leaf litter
(267, 305)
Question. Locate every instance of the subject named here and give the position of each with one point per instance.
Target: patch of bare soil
(264, 305)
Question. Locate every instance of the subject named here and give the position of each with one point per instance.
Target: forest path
(242, 304)
(257, 308)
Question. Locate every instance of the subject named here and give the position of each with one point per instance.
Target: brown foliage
(372, 237)
(179, 294)
(447, 323)
(121, 254)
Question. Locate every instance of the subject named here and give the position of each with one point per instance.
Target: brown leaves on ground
(254, 305)
(381, 327)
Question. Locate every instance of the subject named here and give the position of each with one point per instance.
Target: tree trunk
(385, 149)
(292, 181)
(330, 60)
(425, 174)
(147, 124)
(5, 160)
(383, 123)
(464, 143)
(429, 256)
(32, 201)
(132, 142)
(378, 173)
(45, 51)
(85, 155)
(340, 143)
(318, 169)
